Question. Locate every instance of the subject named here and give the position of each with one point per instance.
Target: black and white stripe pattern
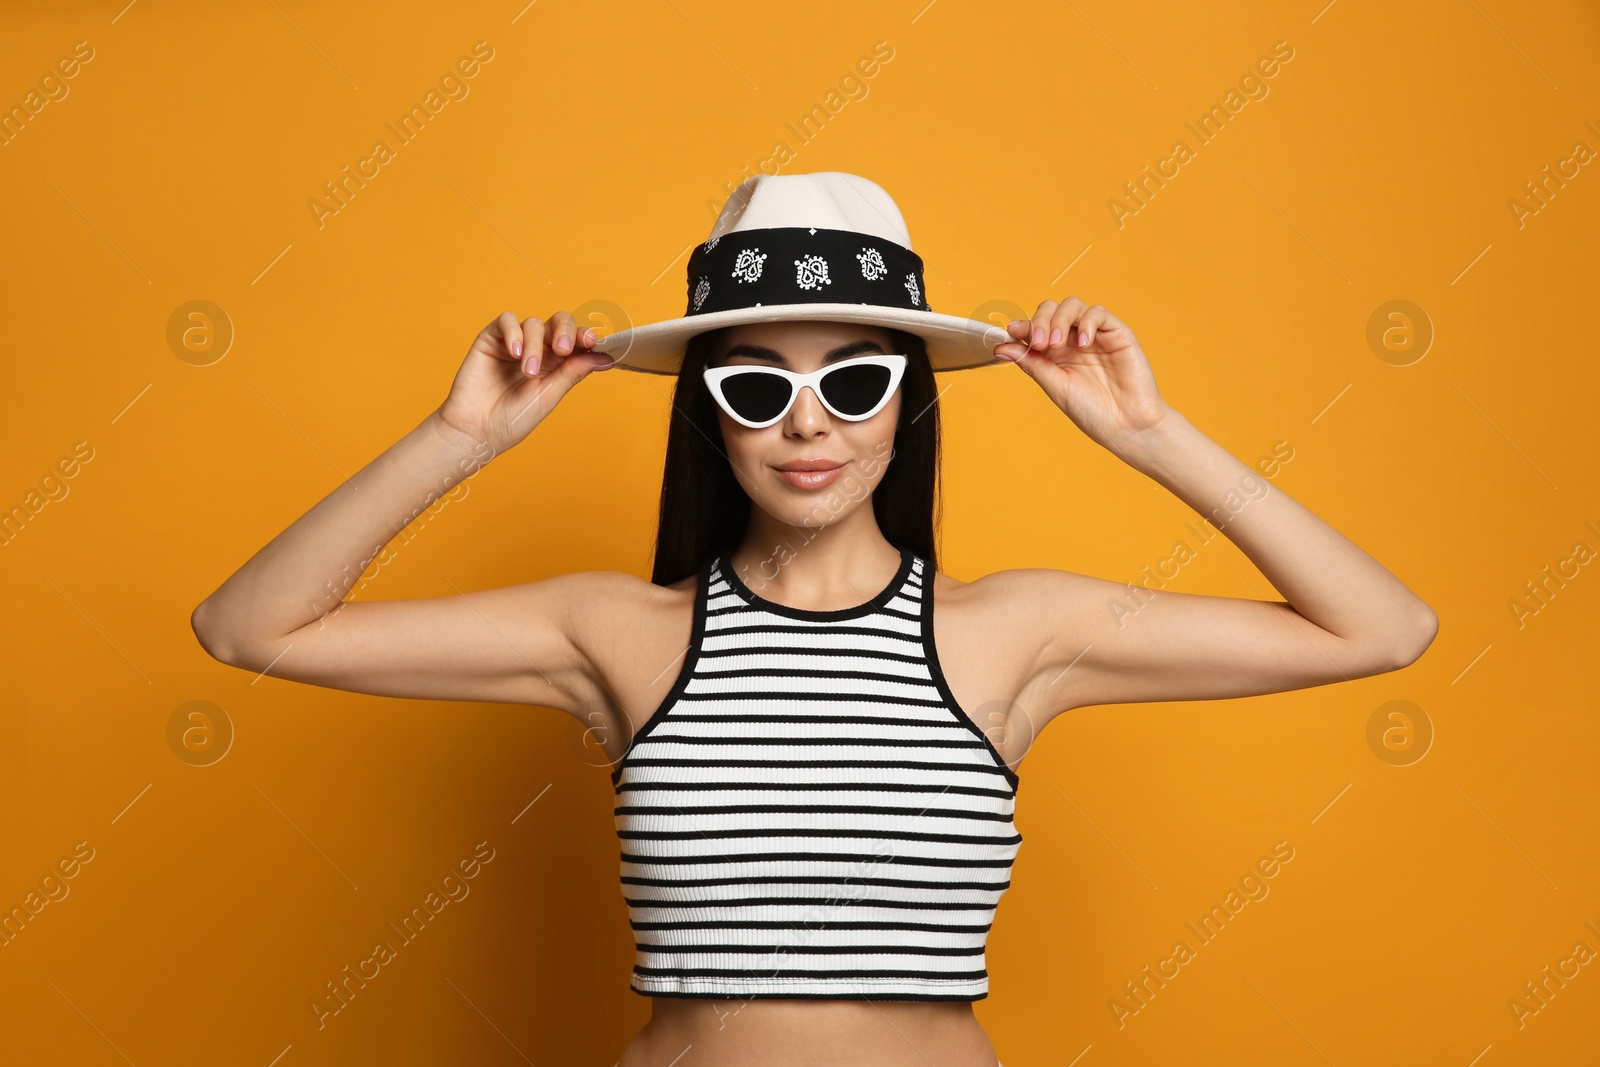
(809, 813)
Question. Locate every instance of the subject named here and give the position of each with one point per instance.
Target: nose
(808, 414)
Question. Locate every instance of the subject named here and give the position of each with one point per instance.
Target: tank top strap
(911, 598)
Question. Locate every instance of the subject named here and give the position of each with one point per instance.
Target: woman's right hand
(515, 374)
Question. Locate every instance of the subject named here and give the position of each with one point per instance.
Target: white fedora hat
(826, 246)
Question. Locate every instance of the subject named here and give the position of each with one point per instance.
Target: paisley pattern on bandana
(822, 274)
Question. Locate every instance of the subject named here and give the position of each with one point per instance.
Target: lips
(810, 473)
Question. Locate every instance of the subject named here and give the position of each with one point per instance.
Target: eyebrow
(774, 356)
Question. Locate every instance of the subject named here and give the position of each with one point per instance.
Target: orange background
(586, 158)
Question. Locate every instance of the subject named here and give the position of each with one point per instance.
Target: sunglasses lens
(756, 395)
(856, 390)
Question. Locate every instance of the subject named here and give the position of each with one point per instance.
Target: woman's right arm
(283, 612)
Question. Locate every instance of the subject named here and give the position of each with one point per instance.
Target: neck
(815, 567)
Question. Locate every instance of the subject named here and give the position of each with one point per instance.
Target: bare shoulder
(1018, 596)
(994, 636)
(606, 607)
(1047, 617)
(630, 632)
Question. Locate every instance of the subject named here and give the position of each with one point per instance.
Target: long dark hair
(705, 511)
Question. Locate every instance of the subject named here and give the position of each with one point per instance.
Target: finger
(1089, 323)
(1039, 333)
(569, 371)
(1013, 351)
(1109, 321)
(533, 332)
(1021, 331)
(1049, 375)
(507, 333)
(1061, 324)
(564, 340)
(543, 362)
(1021, 353)
(563, 333)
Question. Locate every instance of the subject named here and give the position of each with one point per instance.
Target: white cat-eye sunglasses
(852, 389)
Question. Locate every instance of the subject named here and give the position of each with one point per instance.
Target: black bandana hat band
(802, 265)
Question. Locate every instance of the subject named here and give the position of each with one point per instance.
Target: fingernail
(1038, 337)
(1083, 338)
(1015, 323)
(1055, 336)
(516, 349)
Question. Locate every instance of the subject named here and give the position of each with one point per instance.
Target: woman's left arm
(1346, 615)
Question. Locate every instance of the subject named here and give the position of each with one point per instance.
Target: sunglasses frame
(715, 376)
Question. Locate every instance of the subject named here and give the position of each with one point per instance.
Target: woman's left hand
(1089, 363)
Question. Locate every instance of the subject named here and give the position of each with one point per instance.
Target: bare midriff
(690, 1032)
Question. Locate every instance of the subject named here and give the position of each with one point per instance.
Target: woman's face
(860, 451)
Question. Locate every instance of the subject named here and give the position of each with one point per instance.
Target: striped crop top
(809, 813)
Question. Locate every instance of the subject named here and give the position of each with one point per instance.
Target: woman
(815, 831)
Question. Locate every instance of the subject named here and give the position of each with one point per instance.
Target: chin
(818, 507)
(813, 520)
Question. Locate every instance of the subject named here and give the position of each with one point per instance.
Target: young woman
(815, 830)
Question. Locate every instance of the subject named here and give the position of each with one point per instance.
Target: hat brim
(954, 343)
